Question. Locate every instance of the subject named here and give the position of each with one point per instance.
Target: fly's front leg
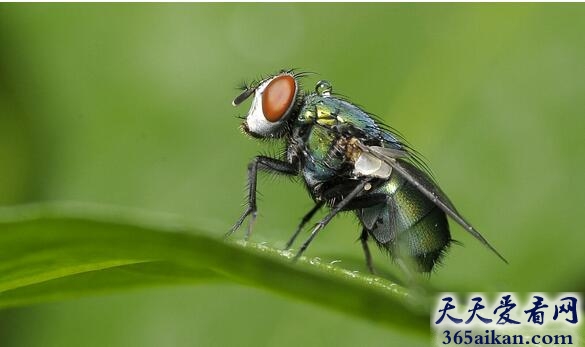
(336, 209)
(264, 164)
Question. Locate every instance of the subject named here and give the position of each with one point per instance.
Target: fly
(349, 161)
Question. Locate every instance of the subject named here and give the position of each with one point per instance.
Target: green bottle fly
(350, 161)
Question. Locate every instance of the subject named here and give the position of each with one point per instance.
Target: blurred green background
(130, 105)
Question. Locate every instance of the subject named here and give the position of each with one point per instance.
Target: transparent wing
(425, 185)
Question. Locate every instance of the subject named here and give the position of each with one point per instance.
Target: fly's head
(276, 98)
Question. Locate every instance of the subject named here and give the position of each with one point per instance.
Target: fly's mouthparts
(247, 131)
(244, 127)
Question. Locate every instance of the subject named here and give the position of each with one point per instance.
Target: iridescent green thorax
(323, 129)
(343, 116)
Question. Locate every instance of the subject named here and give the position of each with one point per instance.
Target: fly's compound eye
(278, 97)
(273, 101)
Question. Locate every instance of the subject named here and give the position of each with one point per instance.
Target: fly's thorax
(321, 153)
(322, 110)
(352, 127)
(322, 157)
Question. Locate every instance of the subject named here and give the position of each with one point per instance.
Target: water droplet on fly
(324, 88)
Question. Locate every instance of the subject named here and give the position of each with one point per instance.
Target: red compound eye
(278, 96)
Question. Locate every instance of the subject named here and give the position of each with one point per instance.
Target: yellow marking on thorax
(324, 116)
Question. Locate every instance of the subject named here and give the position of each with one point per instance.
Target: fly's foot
(371, 269)
(320, 225)
(251, 222)
(249, 212)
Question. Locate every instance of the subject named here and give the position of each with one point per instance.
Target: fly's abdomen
(409, 225)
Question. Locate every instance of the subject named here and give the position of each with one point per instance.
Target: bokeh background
(129, 105)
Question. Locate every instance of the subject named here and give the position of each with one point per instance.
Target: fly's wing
(426, 186)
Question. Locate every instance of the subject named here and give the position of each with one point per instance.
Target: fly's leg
(338, 208)
(364, 241)
(357, 203)
(311, 213)
(304, 221)
(264, 164)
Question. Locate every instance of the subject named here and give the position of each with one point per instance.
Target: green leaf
(54, 253)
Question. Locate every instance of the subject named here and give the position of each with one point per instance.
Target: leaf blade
(55, 254)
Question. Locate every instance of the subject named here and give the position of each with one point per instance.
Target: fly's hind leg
(264, 164)
(366, 248)
(365, 202)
